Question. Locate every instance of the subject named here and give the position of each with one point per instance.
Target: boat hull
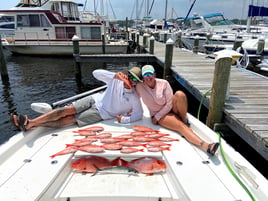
(66, 50)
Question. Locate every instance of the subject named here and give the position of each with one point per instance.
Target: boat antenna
(189, 10)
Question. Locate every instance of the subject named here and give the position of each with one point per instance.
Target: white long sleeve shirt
(116, 99)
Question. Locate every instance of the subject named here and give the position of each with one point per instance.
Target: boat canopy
(257, 11)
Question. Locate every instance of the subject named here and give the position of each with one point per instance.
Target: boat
(27, 172)
(46, 27)
(215, 29)
(252, 47)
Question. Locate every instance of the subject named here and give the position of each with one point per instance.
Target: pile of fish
(94, 164)
(97, 141)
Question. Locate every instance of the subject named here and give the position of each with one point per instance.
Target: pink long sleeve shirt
(159, 99)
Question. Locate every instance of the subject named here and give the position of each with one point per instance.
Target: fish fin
(96, 171)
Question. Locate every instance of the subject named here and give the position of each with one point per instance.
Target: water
(44, 79)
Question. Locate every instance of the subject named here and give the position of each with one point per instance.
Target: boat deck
(246, 111)
(28, 173)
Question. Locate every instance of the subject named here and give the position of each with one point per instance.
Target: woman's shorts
(87, 113)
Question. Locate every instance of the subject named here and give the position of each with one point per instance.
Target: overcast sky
(127, 8)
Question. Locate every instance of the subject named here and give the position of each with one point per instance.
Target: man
(119, 100)
(168, 110)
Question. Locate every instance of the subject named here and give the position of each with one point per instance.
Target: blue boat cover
(257, 11)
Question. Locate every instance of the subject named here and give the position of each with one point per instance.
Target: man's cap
(147, 69)
(136, 72)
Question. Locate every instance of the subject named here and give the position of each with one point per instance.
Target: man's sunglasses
(148, 75)
(132, 77)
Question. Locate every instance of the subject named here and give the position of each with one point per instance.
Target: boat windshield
(216, 20)
(7, 22)
(6, 18)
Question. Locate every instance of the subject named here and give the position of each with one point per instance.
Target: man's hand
(119, 117)
(120, 76)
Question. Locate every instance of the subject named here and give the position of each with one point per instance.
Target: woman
(168, 110)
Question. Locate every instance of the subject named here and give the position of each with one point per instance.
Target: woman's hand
(154, 121)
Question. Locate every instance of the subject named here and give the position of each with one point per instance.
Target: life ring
(243, 61)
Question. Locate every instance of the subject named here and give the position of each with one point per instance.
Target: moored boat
(46, 27)
(29, 173)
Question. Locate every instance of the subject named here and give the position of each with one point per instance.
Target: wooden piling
(260, 47)
(138, 42)
(237, 44)
(145, 40)
(165, 37)
(196, 44)
(103, 43)
(179, 40)
(3, 65)
(168, 58)
(151, 45)
(76, 54)
(219, 90)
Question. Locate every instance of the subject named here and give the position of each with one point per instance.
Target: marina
(227, 104)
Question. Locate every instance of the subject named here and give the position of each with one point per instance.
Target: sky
(120, 9)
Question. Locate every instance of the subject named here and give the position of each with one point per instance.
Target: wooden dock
(246, 110)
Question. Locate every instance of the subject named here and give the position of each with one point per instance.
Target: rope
(232, 171)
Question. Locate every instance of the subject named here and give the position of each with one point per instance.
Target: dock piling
(168, 58)
(103, 43)
(76, 54)
(3, 65)
(260, 47)
(196, 44)
(219, 90)
(151, 45)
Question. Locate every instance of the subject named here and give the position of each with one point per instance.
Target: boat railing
(78, 96)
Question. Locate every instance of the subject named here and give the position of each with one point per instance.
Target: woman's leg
(172, 122)
(180, 105)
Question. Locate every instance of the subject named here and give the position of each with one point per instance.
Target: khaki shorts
(87, 113)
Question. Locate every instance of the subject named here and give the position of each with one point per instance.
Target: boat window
(65, 32)
(7, 19)
(32, 21)
(7, 26)
(44, 21)
(218, 20)
(91, 33)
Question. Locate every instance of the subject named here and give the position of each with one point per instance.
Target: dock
(246, 109)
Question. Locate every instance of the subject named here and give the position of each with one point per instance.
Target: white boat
(216, 30)
(28, 173)
(252, 46)
(46, 27)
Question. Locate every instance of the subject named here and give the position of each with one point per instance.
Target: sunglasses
(132, 77)
(148, 75)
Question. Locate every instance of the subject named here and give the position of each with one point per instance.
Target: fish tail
(167, 148)
(52, 156)
(144, 145)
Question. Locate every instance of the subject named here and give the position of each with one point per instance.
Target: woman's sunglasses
(148, 75)
(132, 77)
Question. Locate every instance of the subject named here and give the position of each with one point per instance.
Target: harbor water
(50, 79)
